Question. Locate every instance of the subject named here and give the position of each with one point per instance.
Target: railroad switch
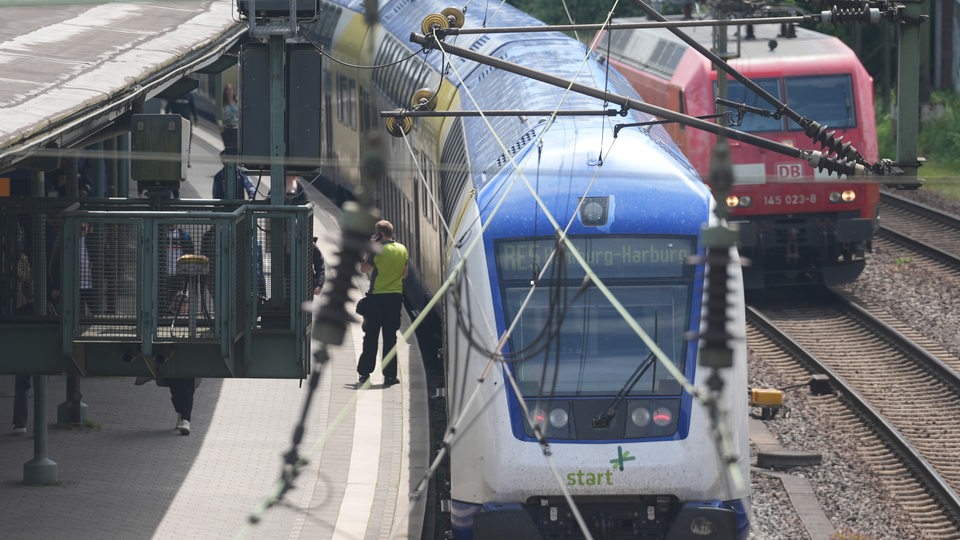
(770, 400)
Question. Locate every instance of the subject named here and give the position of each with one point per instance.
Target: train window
(740, 94)
(352, 105)
(588, 347)
(341, 98)
(594, 351)
(366, 118)
(828, 99)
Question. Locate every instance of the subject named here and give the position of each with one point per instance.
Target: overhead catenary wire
(816, 158)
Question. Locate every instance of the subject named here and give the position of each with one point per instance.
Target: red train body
(797, 224)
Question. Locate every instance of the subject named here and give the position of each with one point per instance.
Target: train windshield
(752, 122)
(570, 339)
(828, 99)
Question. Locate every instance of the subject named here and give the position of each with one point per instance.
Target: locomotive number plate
(792, 199)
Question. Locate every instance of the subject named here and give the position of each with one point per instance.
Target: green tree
(581, 11)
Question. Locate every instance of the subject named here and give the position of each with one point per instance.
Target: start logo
(601, 477)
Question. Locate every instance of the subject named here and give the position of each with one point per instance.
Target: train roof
(660, 51)
(482, 87)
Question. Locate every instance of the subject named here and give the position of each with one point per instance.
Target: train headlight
(662, 416)
(559, 418)
(640, 417)
(847, 195)
(741, 201)
(594, 211)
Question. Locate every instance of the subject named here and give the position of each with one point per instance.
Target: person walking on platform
(229, 118)
(176, 243)
(181, 394)
(383, 303)
(244, 184)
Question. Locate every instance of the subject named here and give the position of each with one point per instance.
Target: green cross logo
(621, 458)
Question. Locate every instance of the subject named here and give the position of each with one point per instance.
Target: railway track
(899, 403)
(919, 227)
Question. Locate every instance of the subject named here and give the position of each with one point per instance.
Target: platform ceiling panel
(64, 60)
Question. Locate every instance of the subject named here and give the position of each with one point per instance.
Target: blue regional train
(565, 254)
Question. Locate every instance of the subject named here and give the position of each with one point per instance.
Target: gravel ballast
(850, 494)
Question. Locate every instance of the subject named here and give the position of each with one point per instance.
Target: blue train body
(588, 356)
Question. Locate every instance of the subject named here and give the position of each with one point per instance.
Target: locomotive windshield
(828, 99)
(570, 340)
(751, 122)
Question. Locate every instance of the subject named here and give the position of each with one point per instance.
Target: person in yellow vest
(388, 269)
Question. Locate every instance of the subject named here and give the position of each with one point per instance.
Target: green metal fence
(192, 288)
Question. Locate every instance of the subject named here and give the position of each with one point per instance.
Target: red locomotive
(797, 224)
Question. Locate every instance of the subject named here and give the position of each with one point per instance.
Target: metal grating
(188, 278)
(186, 303)
(29, 261)
(105, 258)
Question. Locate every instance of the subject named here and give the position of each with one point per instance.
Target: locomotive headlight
(847, 195)
(640, 417)
(662, 416)
(559, 418)
(742, 201)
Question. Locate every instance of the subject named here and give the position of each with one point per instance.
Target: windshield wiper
(603, 420)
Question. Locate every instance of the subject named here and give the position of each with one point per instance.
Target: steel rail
(914, 461)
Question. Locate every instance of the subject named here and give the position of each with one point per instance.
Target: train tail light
(558, 418)
(662, 416)
(539, 418)
(552, 419)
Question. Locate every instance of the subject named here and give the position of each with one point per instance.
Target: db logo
(789, 170)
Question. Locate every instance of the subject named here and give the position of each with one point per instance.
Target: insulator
(331, 318)
(454, 17)
(432, 22)
(850, 12)
(715, 336)
(423, 100)
(398, 126)
(832, 144)
(823, 162)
